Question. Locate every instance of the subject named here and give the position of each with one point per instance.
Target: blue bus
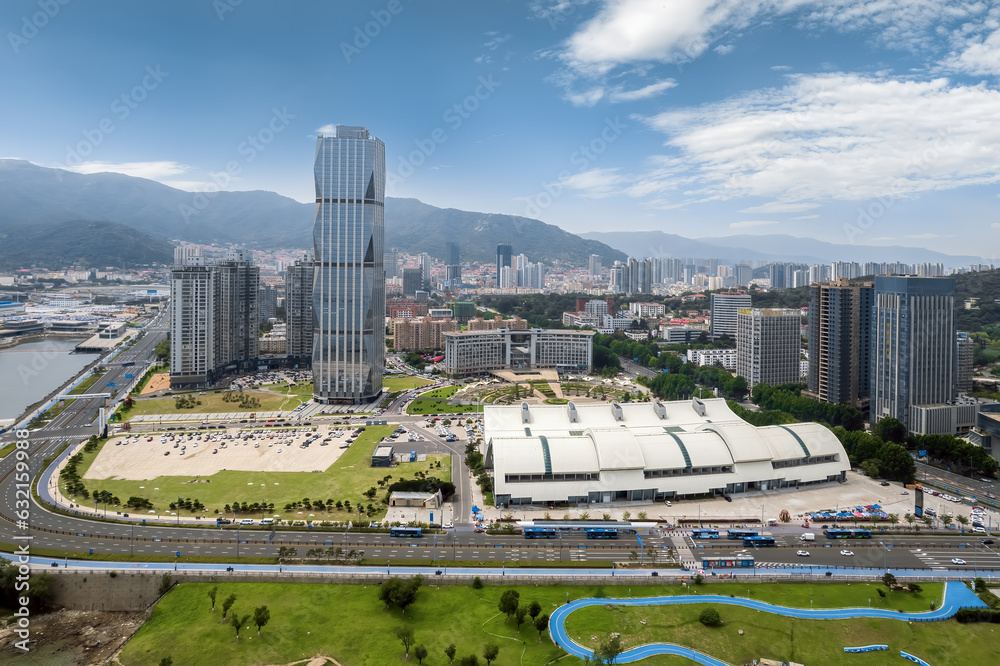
(758, 542)
(704, 534)
(728, 562)
(847, 534)
(601, 533)
(405, 531)
(539, 533)
(741, 534)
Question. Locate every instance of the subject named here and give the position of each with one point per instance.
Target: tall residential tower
(349, 280)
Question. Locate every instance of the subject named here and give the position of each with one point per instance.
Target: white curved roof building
(649, 451)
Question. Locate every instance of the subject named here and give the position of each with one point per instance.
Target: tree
(450, 652)
(211, 595)
(963, 521)
(227, 604)
(888, 579)
(405, 636)
(947, 519)
(420, 652)
(261, 616)
(471, 660)
(710, 617)
(541, 624)
(238, 622)
(890, 430)
(519, 616)
(534, 608)
(509, 602)
(167, 661)
(609, 650)
(490, 652)
(165, 584)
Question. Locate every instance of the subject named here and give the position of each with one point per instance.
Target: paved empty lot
(275, 452)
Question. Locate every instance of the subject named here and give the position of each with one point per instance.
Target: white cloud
(652, 90)
(327, 129)
(587, 98)
(995, 225)
(929, 236)
(781, 68)
(629, 31)
(780, 207)
(151, 170)
(724, 49)
(750, 224)
(496, 41)
(976, 47)
(595, 183)
(838, 136)
(805, 217)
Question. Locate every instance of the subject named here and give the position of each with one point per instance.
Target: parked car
(802, 553)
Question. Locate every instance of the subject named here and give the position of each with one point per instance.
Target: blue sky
(852, 121)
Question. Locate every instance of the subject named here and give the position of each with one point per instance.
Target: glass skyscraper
(348, 354)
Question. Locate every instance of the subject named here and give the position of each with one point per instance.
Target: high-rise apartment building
(349, 284)
(267, 300)
(840, 315)
(452, 265)
(214, 319)
(505, 254)
(966, 355)
(299, 310)
(413, 281)
(595, 265)
(914, 359)
(425, 268)
(768, 345)
(724, 307)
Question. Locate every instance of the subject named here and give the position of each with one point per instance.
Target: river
(31, 370)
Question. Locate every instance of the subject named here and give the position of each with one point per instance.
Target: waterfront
(31, 370)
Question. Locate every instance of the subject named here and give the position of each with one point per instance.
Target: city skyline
(811, 118)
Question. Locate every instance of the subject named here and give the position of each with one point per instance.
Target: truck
(807, 536)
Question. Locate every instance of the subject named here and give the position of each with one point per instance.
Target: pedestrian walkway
(956, 597)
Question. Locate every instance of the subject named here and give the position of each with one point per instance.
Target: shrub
(477, 583)
(710, 617)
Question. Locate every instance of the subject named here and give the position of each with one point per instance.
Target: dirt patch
(157, 382)
(71, 638)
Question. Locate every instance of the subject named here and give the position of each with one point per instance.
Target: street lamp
(238, 542)
(884, 553)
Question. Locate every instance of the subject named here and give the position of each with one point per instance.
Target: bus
(601, 533)
(758, 542)
(741, 534)
(704, 534)
(539, 533)
(728, 562)
(405, 531)
(847, 534)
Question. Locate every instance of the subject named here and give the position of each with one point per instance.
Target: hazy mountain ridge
(30, 194)
(767, 247)
(84, 243)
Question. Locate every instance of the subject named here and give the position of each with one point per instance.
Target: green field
(403, 382)
(786, 639)
(82, 387)
(295, 394)
(350, 624)
(436, 402)
(4, 450)
(211, 403)
(347, 479)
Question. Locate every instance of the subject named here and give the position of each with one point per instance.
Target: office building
(840, 315)
(966, 354)
(479, 352)
(299, 310)
(595, 265)
(349, 285)
(425, 268)
(647, 452)
(505, 254)
(768, 345)
(413, 281)
(724, 307)
(914, 357)
(452, 265)
(390, 262)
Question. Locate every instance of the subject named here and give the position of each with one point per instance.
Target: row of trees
(788, 398)
(260, 615)
(875, 457)
(510, 605)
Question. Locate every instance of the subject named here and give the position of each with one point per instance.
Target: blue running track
(956, 597)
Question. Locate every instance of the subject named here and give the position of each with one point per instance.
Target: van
(246, 521)
(808, 536)
(267, 521)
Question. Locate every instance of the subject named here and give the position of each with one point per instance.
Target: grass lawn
(211, 403)
(346, 622)
(4, 450)
(295, 394)
(86, 384)
(346, 479)
(436, 402)
(802, 641)
(395, 383)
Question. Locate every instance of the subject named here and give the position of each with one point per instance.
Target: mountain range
(84, 243)
(32, 195)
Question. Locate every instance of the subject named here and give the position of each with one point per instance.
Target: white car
(848, 553)
(448, 526)
(979, 530)
(802, 553)
(957, 560)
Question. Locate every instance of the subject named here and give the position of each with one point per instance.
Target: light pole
(884, 554)
(237, 542)
(131, 541)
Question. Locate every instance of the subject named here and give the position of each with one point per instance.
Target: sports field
(350, 624)
(346, 478)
